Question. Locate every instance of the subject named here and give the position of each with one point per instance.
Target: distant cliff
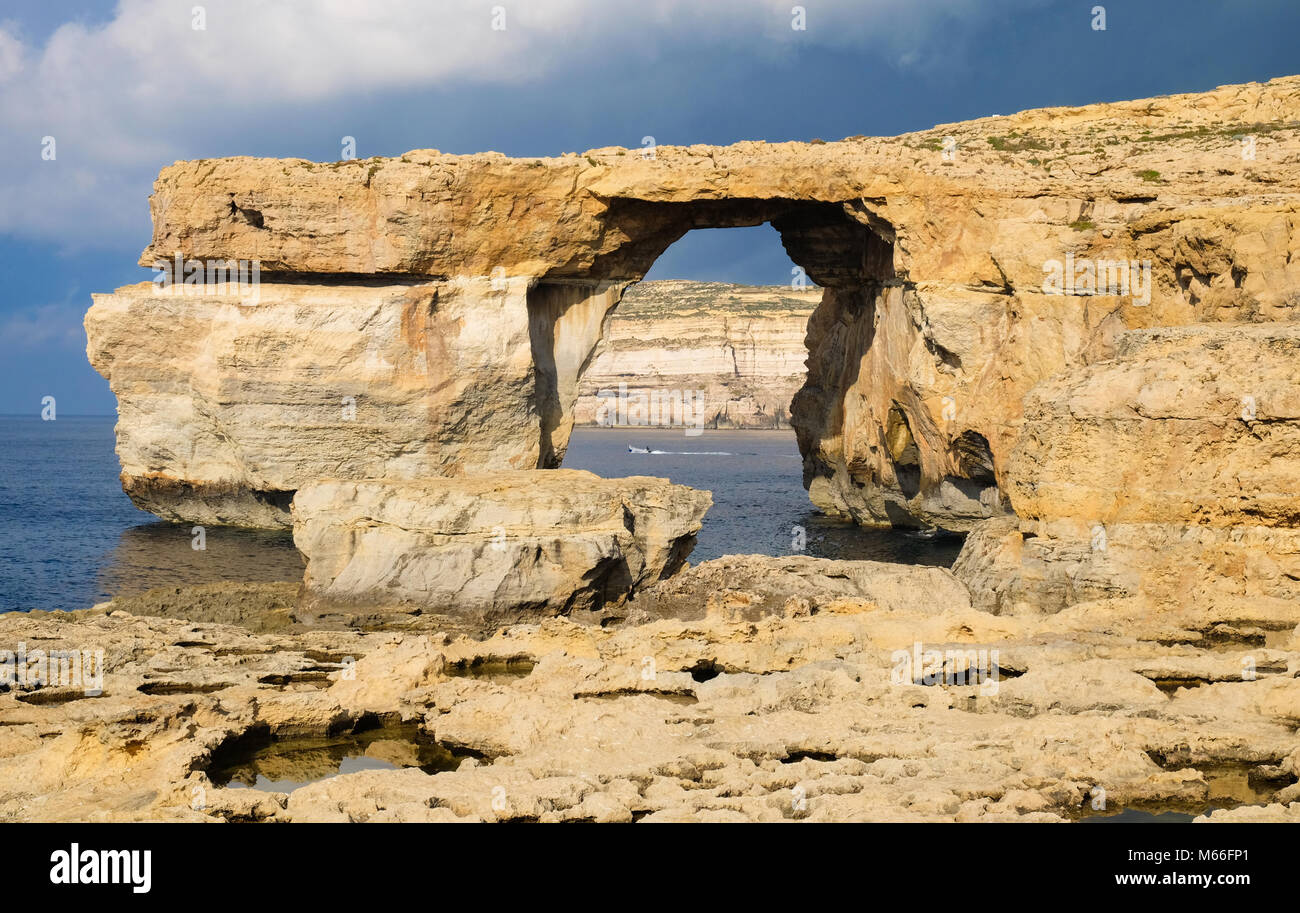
(742, 346)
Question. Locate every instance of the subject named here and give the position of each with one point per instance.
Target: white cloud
(121, 97)
(11, 54)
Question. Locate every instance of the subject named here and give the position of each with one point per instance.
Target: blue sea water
(70, 538)
(758, 496)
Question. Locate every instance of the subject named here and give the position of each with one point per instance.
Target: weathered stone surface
(933, 324)
(737, 352)
(1275, 813)
(1170, 472)
(261, 607)
(610, 212)
(794, 585)
(227, 403)
(494, 545)
(812, 715)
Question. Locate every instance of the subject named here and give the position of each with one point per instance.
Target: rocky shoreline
(759, 706)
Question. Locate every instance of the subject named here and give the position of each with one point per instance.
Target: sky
(125, 89)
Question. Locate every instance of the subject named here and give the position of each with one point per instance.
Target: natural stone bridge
(430, 315)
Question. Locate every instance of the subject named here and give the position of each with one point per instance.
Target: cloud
(46, 326)
(123, 97)
(11, 54)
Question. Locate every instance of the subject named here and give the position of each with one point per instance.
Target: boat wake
(632, 449)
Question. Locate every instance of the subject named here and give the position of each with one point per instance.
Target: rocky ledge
(510, 544)
(905, 704)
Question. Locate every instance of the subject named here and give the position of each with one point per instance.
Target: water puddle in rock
(492, 669)
(682, 698)
(1230, 786)
(260, 761)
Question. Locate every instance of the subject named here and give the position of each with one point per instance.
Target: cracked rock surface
(838, 707)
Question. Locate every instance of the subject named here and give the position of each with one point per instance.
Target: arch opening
(820, 287)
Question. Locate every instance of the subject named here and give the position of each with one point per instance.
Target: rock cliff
(735, 353)
(230, 401)
(1070, 331)
(1168, 472)
(457, 299)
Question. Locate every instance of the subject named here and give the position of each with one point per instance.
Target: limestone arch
(843, 248)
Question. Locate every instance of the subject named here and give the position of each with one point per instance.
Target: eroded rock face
(806, 712)
(1169, 472)
(754, 586)
(933, 326)
(733, 355)
(493, 546)
(228, 403)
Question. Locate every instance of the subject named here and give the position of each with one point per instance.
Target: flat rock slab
(493, 546)
(755, 586)
(803, 716)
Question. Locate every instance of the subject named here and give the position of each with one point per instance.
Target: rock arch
(842, 247)
(456, 299)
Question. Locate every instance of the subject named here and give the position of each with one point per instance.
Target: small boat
(631, 449)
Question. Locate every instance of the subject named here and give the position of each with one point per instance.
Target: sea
(69, 537)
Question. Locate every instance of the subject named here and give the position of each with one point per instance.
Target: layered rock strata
(703, 354)
(491, 546)
(941, 306)
(232, 399)
(832, 711)
(1170, 472)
